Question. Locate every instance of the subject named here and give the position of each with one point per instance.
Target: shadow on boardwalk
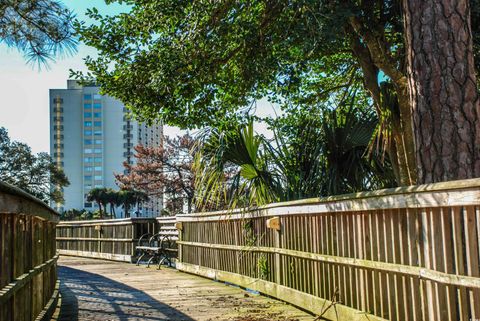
(105, 290)
(104, 299)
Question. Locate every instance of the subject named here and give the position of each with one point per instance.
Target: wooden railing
(398, 254)
(166, 227)
(28, 272)
(107, 239)
(110, 239)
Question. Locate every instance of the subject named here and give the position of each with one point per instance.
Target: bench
(159, 247)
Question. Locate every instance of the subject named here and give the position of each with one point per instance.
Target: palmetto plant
(312, 156)
(232, 170)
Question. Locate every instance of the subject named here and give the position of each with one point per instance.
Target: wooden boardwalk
(104, 290)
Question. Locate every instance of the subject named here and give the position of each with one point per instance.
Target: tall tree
(99, 195)
(112, 197)
(35, 174)
(443, 89)
(40, 29)
(201, 62)
(129, 198)
(164, 170)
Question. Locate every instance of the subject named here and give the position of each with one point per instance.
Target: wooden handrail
(410, 253)
(28, 263)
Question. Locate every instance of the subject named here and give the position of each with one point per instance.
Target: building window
(98, 177)
(87, 97)
(98, 142)
(97, 123)
(98, 168)
(88, 205)
(87, 106)
(88, 141)
(88, 177)
(97, 133)
(87, 132)
(98, 185)
(88, 151)
(87, 115)
(97, 96)
(98, 159)
(97, 106)
(97, 150)
(97, 115)
(88, 169)
(87, 124)
(88, 159)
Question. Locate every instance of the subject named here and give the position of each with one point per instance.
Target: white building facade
(90, 139)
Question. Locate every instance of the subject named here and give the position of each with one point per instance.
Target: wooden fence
(28, 272)
(108, 239)
(398, 254)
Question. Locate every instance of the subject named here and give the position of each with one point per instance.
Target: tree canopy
(193, 63)
(35, 174)
(205, 63)
(163, 171)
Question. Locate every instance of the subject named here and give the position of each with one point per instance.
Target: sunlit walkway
(104, 290)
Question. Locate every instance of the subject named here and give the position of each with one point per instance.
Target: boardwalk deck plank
(104, 290)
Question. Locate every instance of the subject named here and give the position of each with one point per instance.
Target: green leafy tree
(99, 195)
(129, 198)
(199, 63)
(35, 174)
(74, 214)
(40, 29)
(113, 198)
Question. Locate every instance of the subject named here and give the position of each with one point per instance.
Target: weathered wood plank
(120, 291)
(27, 249)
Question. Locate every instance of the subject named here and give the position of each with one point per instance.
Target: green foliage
(263, 267)
(249, 232)
(310, 156)
(127, 198)
(232, 170)
(99, 196)
(40, 29)
(35, 174)
(74, 214)
(201, 63)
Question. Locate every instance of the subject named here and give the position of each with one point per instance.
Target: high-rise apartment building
(90, 138)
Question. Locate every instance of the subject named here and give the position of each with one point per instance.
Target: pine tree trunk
(442, 89)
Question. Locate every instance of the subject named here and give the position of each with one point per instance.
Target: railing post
(179, 227)
(275, 224)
